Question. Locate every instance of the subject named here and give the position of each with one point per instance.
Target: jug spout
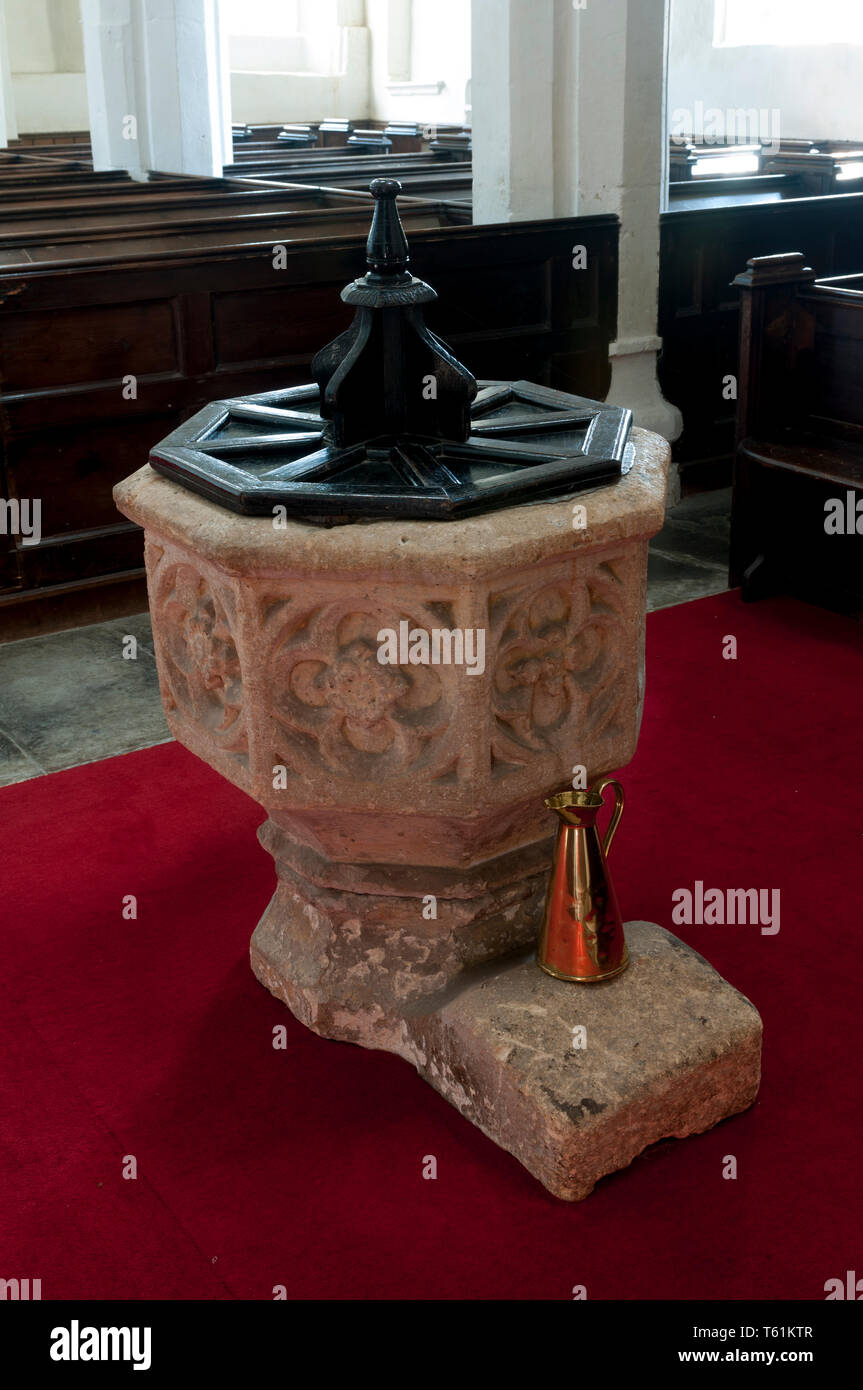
(581, 938)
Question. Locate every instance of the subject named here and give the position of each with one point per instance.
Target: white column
(155, 85)
(8, 127)
(569, 119)
(512, 65)
(223, 101)
(622, 168)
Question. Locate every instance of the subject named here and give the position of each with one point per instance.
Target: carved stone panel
(566, 679)
(200, 675)
(343, 715)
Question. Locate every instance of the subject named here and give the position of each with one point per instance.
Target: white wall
(817, 91)
(417, 44)
(46, 59)
(381, 58)
(320, 70)
(266, 98)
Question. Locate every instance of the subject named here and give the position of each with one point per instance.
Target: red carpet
(303, 1167)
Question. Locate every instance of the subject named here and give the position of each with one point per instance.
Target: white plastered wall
(321, 70)
(45, 55)
(817, 90)
(420, 60)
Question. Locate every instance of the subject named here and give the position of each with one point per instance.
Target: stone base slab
(670, 1049)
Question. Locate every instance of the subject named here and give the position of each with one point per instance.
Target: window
(264, 19)
(742, 23)
(265, 36)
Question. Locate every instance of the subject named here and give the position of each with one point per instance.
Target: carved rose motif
(200, 665)
(337, 704)
(556, 664)
(362, 695)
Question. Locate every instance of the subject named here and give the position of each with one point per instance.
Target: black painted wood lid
(394, 426)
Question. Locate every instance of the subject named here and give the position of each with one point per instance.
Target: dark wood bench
(405, 136)
(701, 251)
(798, 472)
(334, 131)
(692, 161)
(166, 220)
(744, 190)
(329, 163)
(449, 181)
(821, 166)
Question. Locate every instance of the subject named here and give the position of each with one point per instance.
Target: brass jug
(582, 933)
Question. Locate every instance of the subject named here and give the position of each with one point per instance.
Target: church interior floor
(72, 697)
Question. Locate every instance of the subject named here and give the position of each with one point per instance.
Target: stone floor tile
(671, 579)
(71, 698)
(15, 765)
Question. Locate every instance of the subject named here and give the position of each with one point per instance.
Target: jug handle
(599, 788)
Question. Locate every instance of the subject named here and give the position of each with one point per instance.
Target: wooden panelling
(65, 346)
(87, 458)
(277, 322)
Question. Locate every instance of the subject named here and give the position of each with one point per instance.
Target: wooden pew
(328, 165)
(56, 137)
(737, 191)
(369, 142)
(125, 206)
(449, 182)
(40, 154)
(22, 172)
(820, 166)
(690, 160)
(797, 510)
(303, 214)
(405, 137)
(115, 185)
(452, 144)
(297, 136)
(55, 221)
(334, 131)
(701, 251)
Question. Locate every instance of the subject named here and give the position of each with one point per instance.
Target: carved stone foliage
(561, 652)
(200, 667)
(337, 707)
